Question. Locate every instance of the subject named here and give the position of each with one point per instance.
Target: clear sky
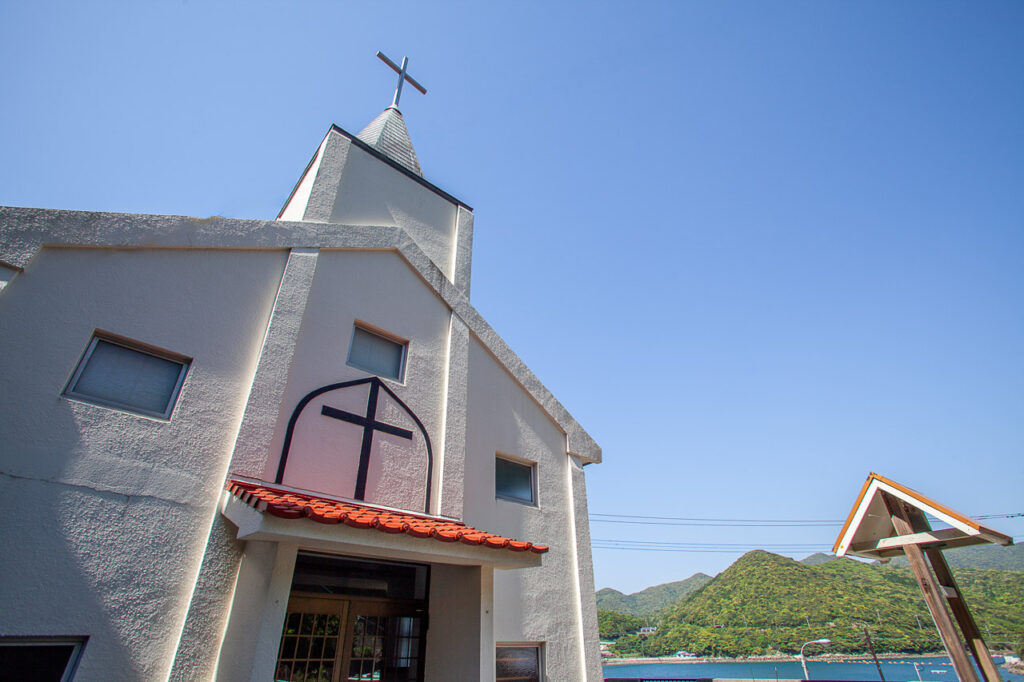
(757, 249)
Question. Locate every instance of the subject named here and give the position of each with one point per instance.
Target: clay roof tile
(294, 505)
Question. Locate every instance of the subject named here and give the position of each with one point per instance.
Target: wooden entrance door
(328, 639)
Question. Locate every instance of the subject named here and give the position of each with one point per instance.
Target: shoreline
(829, 658)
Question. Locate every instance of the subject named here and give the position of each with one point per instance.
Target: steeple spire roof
(388, 135)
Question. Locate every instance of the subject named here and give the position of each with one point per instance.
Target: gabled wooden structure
(889, 519)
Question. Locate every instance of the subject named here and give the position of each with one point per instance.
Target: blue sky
(757, 249)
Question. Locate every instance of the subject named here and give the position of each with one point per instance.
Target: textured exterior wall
(379, 289)
(118, 511)
(109, 510)
(456, 610)
(372, 193)
(538, 604)
(23, 231)
(346, 184)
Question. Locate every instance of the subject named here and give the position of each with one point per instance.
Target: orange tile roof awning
(289, 504)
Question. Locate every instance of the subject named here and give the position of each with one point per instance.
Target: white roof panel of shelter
(869, 531)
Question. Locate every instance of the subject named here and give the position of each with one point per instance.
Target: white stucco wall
(346, 184)
(537, 604)
(376, 288)
(106, 511)
(374, 193)
(456, 612)
(117, 508)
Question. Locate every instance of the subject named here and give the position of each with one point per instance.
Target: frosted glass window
(514, 481)
(521, 663)
(120, 376)
(376, 354)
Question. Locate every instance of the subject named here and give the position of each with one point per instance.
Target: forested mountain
(980, 556)
(647, 602)
(766, 603)
(818, 558)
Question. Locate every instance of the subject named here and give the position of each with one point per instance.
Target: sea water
(936, 669)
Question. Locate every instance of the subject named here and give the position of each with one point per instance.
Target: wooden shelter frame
(904, 528)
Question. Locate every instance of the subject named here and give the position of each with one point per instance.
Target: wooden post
(963, 616)
(933, 596)
(871, 645)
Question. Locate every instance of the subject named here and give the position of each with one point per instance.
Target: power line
(641, 520)
(719, 524)
(677, 549)
(682, 518)
(739, 545)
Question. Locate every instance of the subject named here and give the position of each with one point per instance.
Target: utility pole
(871, 647)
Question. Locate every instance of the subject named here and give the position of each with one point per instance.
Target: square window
(377, 353)
(118, 373)
(46, 659)
(518, 663)
(515, 481)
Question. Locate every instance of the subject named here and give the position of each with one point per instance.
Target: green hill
(980, 556)
(765, 603)
(818, 558)
(652, 599)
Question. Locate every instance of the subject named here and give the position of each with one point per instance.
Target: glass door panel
(310, 642)
(386, 641)
(334, 640)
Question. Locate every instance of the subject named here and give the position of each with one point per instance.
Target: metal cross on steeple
(402, 77)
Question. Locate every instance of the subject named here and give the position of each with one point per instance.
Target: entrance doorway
(352, 619)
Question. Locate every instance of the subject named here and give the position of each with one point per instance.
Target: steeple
(373, 179)
(388, 135)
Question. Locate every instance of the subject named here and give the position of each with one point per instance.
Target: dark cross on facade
(402, 77)
(369, 424)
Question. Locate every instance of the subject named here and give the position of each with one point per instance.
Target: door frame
(345, 607)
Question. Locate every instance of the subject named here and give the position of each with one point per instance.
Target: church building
(282, 449)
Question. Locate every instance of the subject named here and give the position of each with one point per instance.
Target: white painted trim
(274, 612)
(438, 490)
(943, 535)
(577, 591)
(299, 200)
(858, 517)
(927, 508)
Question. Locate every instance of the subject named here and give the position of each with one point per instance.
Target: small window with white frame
(515, 480)
(46, 659)
(377, 352)
(521, 662)
(127, 375)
